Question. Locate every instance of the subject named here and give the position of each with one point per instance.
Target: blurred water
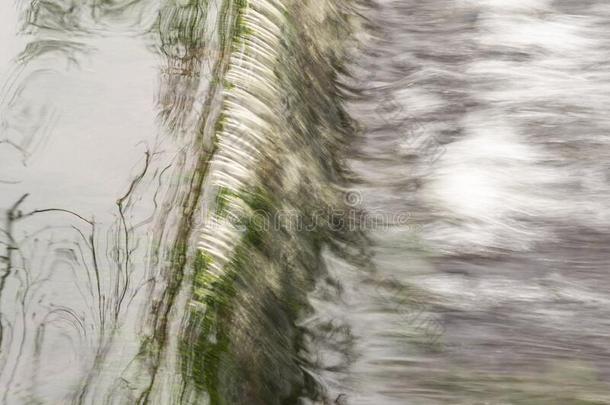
(479, 158)
(487, 122)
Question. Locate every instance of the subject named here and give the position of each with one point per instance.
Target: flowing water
(486, 123)
(304, 202)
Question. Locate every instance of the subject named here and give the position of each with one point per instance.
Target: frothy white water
(487, 122)
(511, 176)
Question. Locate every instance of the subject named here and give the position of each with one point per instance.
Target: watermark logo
(353, 198)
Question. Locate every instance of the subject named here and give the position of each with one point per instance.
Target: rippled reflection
(91, 185)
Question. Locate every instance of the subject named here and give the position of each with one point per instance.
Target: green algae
(240, 344)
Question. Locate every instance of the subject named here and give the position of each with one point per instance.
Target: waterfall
(205, 296)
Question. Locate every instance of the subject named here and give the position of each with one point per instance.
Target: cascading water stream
(304, 202)
(179, 277)
(484, 123)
